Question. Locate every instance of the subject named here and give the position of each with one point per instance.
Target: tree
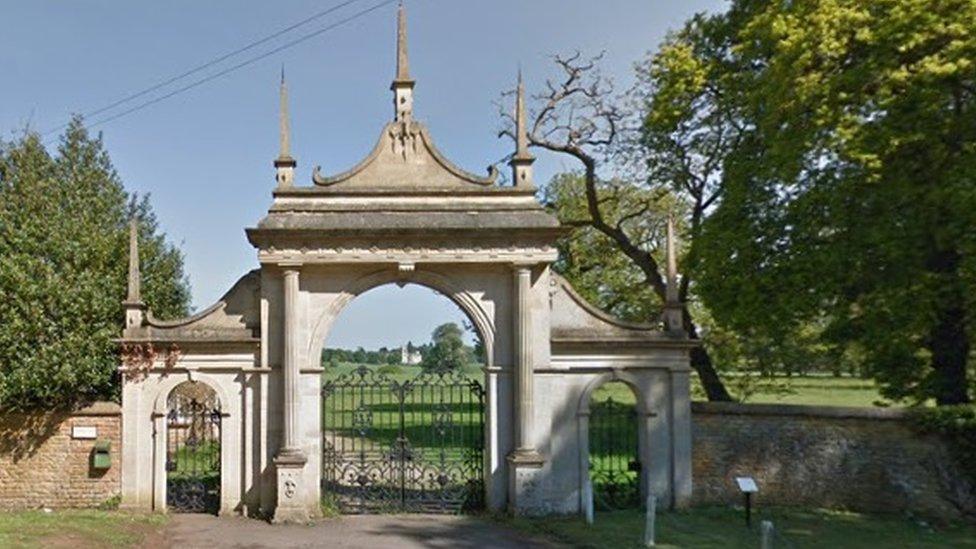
(850, 199)
(63, 261)
(631, 161)
(447, 350)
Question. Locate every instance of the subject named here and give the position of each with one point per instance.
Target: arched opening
(403, 405)
(614, 447)
(193, 423)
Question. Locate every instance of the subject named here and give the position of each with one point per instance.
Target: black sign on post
(747, 485)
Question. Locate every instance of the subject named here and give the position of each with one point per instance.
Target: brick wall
(41, 465)
(860, 459)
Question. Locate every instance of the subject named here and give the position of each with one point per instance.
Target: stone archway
(168, 445)
(404, 214)
(476, 311)
(408, 440)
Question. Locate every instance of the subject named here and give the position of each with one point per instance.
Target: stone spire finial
(133, 304)
(522, 160)
(672, 261)
(403, 61)
(134, 295)
(402, 85)
(284, 164)
(673, 309)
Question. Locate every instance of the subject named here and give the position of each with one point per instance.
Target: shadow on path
(382, 531)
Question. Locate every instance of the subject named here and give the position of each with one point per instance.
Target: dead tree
(580, 115)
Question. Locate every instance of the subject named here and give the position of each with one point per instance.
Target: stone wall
(863, 459)
(41, 465)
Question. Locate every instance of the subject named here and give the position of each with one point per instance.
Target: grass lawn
(77, 528)
(817, 390)
(723, 527)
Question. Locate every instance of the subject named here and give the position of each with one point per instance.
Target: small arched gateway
(405, 214)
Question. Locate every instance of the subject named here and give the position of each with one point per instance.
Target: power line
(210, 63)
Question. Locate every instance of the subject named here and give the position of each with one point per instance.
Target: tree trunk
(948, 338)
(950, 355)
(702, 363)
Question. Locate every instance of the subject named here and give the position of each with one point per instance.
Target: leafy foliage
(848, 202)
(63, 270)
(957, 426)
(447, 349)
(591, 261)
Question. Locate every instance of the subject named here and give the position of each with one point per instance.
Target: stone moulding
(234, 319)
(407, 142)
(798, 410)
(578, 324)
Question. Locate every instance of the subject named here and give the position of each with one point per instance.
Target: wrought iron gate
(392, 446)
(193, 450)
(614, 465)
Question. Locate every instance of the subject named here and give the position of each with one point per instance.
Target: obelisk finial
(403, 61)
(672, 262)
(522, 160)
(134, 295)
(284, 164)
(673, 308)
(521, 135)
(402, 85)
(133, 305)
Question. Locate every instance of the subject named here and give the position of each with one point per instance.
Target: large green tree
(447, 350)
(63, 260)
(852, 197)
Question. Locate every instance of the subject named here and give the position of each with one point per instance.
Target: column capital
(519, 266)
(288, 266)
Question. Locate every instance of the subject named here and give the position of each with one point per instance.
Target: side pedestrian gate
(415, 445)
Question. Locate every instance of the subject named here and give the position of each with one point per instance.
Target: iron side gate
(614, 465)
(193, 452)
(403, 446)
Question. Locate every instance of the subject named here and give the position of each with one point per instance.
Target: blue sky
(205, 155)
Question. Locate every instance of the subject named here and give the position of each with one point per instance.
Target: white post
(649, 519)
(766, 534)
(588, 500)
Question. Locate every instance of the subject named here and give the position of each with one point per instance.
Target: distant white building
(409, 357)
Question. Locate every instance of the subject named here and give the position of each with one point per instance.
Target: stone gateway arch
(405, 214)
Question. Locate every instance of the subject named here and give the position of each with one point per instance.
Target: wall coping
(798, 410)
(99, 409)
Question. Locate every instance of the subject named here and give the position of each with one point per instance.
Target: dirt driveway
(382, 531)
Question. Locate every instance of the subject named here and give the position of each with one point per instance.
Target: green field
(723, 527)
(817, 390)
(374, 402)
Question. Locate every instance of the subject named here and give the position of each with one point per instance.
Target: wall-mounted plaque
(84, 432)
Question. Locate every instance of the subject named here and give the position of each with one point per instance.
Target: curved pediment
(405, 158)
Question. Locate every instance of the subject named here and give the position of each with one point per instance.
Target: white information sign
(747, 485)
(84, 432)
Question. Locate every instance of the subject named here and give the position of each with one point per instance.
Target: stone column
(525, 461)
(289, 365)
(290, 460)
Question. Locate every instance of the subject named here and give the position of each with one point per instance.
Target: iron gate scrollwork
(614, 466)
(403, 446)
(193, 449)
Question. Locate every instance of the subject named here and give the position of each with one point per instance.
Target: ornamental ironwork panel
(615, 468)
(413, 445)
(193, 451)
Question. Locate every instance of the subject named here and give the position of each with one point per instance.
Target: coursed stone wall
(43, 465)
(861, 459)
